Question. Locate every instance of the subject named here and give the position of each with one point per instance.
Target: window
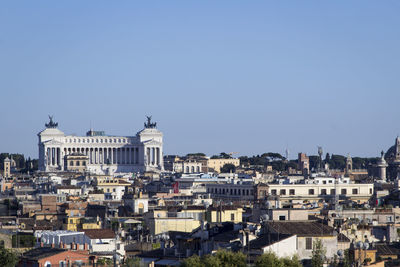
(291, 192)
(324, 182)
(283, 192)
(330, 181)
(71, 163)
(323, 192)
(308, 243)
(232, 216)
(355, 191)
(71, 221)
(370, 190)
(344, 192)
(77, 163)
(282, 217)
(113, 189)
(333, 192)
(311, 191)
(273, 192)
(83, 163)
(62, 264)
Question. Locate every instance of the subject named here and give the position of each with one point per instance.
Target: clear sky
(233, 76)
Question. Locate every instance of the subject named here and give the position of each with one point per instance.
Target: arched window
(71, 163)
(198, 169)
(187, 169)
(77, 163)
(192, 169)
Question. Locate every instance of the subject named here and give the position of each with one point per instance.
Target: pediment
(52, 142)
(151, 142)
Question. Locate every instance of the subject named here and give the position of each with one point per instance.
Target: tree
(292, 262)
(196, 155)
(222, 155)
(228, 168)
(222, 258)
(270, 259)
(231, 259)
(318, 254)
(327, 158)
(132, 262)
(8, 258)
(194, 261)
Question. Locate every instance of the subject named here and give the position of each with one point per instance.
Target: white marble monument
(106, 154)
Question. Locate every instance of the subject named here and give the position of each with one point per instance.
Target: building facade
(105, 154)
(217, 164)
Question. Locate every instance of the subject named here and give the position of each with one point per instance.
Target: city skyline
(227, 76)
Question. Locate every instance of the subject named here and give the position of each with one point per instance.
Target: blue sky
(233, 76)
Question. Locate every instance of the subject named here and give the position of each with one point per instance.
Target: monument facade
(105, 154)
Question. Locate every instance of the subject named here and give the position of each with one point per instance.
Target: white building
(106, 154)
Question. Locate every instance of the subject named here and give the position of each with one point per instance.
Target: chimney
(86, 246)
(65, 246)
(73, 246)
(61, 245)
(77, 246)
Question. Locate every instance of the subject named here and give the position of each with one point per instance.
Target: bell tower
(349, 164)
(7, 168)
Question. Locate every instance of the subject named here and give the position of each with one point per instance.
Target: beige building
(224, 214)
(313, 192)
(187, 166)
(217, 164)
(163, 225)
(76, 162)
(113, 188)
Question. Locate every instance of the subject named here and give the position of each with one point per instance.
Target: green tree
(347, 260)
(222, 155)
(292, 262)
(222, 258)
(8, 258)
(271, 260)
(194, 261)
(231, 259)
(327, 158)
(228, 168)
(132, 262)
(197, 155)
(318, 254)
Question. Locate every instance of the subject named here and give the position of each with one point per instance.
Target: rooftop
(306, 228)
